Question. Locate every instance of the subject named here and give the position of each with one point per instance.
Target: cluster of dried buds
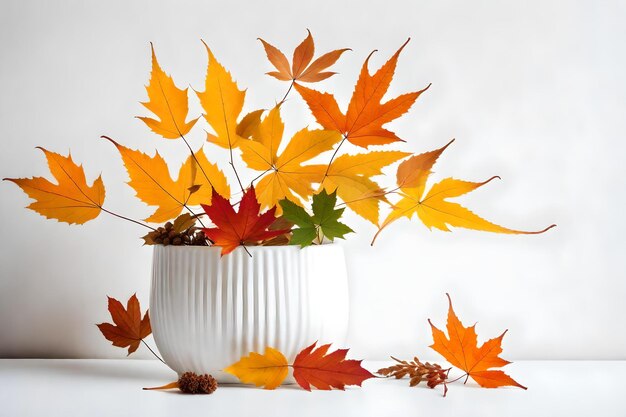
(417, 371)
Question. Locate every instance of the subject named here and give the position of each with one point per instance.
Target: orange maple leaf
(462, 351)
(71, 199)
(129, 328)
(300, 69)
(247, 226)
(363, 123)
(326, 371)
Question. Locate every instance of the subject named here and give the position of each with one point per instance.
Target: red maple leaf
(326, 371)
(246, 227)
(129, 328)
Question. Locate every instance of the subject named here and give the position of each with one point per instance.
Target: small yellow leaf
(350, 176)
(169, 103)
(268, 370)
(249, 124)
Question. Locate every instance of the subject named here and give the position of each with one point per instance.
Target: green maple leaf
(324, 221)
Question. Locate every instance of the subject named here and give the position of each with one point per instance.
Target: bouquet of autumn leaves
(285, 198)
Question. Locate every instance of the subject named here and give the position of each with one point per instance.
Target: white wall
(533, 91)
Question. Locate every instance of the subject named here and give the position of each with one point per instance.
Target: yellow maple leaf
(268, 370)
(168, 102)
(433, 208)
(350, 176)
(284, 176)
(71, 200)
(222, 102)
(151, 180)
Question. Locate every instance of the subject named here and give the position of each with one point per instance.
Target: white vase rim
(251, 249)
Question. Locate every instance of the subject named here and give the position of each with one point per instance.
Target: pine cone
(191, 383)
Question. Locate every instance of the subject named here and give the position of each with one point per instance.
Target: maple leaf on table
(151, 180)
(286, 176)
(71, 200)
(300, 70)
(461, 349)
(169, 103)
(222, 101)
(245, 227)
(129, 328)
(311, 367)
(362, 124)
(350, 176)
(433, 208)
(323, 222)
(327, 370)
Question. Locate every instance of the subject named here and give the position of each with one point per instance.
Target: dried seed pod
(192, 383)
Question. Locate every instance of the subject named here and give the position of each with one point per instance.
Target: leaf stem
(150, 349)
(260, 175)
(288, 91)
(246, 249)
(126, 218)
(232, 164)
(456, 379)
(333, 157)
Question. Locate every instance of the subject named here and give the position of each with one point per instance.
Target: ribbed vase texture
(207, 311)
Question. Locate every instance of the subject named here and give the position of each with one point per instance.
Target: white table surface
(38, 387)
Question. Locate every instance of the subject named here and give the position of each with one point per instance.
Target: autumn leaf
(363, 122)
(245, 227)
(433, 208)
(151, 180)
(350, 176)
(222, 101)
(129, 328)
(286, 176)
(71, 199)
(324, 221)
(268, 370)
(460, 348)
(168, 102)
(281, 223)
(249, 124)
(327, 370)
(300, 70)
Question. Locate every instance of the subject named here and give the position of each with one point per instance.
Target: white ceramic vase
(207, 311)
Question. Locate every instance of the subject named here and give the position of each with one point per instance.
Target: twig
(126, 218)
(287, 93)
(150, 349)
(333, 157)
